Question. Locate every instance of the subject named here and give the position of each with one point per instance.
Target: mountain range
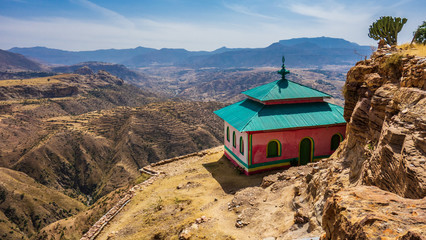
(11, 62)
(299, 52)
(205, 84)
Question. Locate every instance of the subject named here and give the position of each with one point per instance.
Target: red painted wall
(290, 140)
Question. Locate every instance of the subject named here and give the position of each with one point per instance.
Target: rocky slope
(370, 213)
(84, 136)
(386, 110)
(26, 206)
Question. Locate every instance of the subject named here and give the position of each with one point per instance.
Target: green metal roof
(249, 115)
(283, 90)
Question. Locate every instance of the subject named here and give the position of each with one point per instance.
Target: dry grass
(31, 205)
(193, 187)
(74, 227)
(20, 183)
(415, 49)
(32, 81)
(175, 208)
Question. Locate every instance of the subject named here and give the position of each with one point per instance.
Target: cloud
(109, 14)
(246, 11)
(109, 29)
(73, 34)
(330, 11)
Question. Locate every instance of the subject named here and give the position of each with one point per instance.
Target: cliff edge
(385, 107)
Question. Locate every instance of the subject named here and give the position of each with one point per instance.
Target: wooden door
(305, 151)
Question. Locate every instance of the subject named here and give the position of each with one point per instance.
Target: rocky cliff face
(386, 110)
(385, 107)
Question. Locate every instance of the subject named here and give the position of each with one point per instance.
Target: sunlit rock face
(386, 108)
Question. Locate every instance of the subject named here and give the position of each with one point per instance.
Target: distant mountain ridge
(300, 52)
(10, 61)
(323, 42)
(56, 56)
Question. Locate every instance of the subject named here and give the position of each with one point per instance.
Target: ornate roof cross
(283, 71)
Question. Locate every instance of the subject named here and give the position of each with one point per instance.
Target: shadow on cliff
(230, 178)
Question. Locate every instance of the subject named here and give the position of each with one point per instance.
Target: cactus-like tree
(387, 28)
(420, 34)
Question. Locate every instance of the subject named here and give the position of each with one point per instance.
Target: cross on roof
(283, 71)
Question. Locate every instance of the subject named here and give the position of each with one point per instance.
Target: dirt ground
(205, 198)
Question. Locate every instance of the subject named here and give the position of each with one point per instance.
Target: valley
(225, 85)
(85, 136)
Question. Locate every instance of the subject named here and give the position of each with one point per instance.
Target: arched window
(273, 149)
(227, 134)
(241, 145)
(335, 141)
(234, 140)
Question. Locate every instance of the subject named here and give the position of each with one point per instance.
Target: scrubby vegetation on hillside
(85, 136)
(413, 49)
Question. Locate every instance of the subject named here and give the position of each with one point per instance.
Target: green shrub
(420, 34)
(392, 62)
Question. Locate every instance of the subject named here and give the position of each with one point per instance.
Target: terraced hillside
(84, 136)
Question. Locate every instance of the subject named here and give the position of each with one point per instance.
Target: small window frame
(279, 149)
(242, 145)
(227, 133)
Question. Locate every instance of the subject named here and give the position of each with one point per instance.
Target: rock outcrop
(371, 213)
(85, 70)
(385, 106)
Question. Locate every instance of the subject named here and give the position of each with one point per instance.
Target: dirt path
(191, 200)
(202, 196)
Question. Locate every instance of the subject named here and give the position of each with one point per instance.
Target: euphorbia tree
(387, 28)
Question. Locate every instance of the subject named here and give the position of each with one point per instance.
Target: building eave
(295, 128)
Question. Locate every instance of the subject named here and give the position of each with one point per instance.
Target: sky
(194, 24)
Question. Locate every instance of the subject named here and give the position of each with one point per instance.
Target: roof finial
(283, 71)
